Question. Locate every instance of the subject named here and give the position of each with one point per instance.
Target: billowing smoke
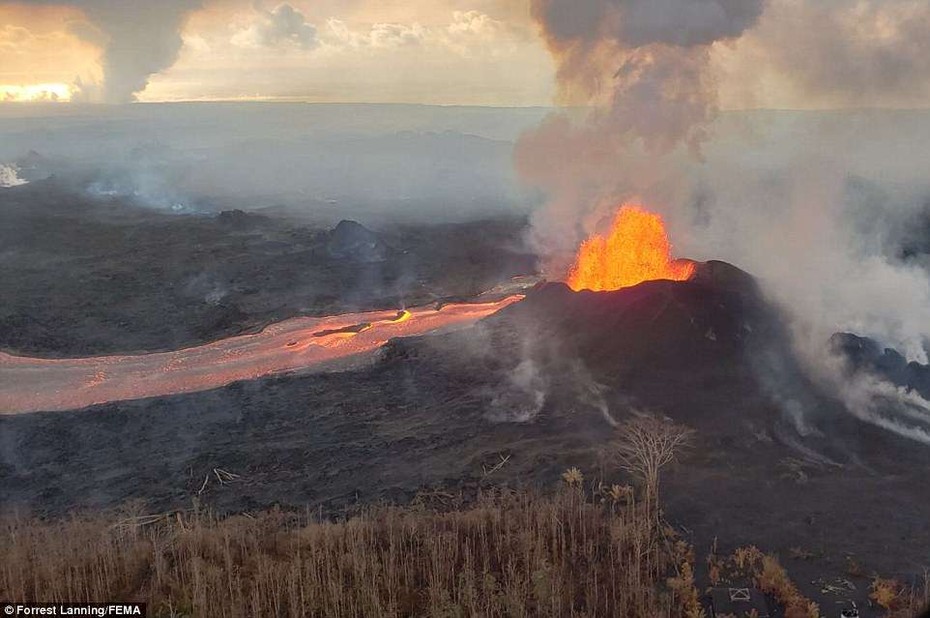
(640, 69)
(137, 37)
(819, 210)
(836, 53)
(822, 210)
(815, 209)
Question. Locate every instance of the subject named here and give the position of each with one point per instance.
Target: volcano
(654, 345)
(711, 317)
(541, 383)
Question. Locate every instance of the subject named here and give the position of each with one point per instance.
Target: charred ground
(83, 276)
(539, 384)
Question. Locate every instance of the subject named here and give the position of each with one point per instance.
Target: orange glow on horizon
(635, 249)
(49, 92)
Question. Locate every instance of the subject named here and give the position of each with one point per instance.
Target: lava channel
(34, 384)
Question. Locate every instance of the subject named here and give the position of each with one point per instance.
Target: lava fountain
(636, 249)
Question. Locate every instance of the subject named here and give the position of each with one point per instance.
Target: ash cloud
(642, 69)
(636, 23)
(138, 38)
(810, 206)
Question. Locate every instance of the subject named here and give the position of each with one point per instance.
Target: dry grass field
(508, 554)
(568, 553)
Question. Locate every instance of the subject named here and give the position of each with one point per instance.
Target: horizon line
(300, 101)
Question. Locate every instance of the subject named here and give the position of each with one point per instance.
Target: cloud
(36, 56)
(473, 33)
(468, 34)
(378, 36)
(12, 38)
(396, 35)
(51, 92)
(281, 27)
(444, 51)
(474, 23)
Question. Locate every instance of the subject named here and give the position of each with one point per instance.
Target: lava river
(33, 384)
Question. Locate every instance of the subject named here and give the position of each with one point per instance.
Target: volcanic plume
(137, 39)
(642, 70)
(636, 249)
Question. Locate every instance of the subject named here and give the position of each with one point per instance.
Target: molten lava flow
(32, 384)
(402, 316)
(636, 249)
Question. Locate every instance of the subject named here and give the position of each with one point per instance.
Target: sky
(798, 54)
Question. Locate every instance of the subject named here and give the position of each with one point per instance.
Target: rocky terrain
(515, 400)
(83, 276)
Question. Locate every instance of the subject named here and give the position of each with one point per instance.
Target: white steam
(837, 53)
(9, 176)
(813, 210)
(522, 396)
(818, 210)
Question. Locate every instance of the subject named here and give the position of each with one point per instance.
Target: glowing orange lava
(33, 384)
(636, 249)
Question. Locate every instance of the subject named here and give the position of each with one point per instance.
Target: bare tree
(645, 445)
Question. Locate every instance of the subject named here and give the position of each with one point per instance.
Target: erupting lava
(636, 249)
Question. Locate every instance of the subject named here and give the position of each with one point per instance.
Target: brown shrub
(773, 579)
(886, 593)
(914, 600)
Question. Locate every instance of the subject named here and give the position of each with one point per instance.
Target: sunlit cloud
(284, 26)
(862, 53)
(440, 57)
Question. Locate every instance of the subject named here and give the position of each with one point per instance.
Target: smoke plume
(817, 211)
(641, 70)
(836, 53)
(137, 37)
(812, 208)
